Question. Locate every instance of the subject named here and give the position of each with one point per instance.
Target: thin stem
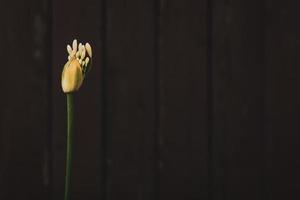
(70, 113)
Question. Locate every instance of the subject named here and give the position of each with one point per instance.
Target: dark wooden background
(187, 100)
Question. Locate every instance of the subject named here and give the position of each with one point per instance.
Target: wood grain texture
(83, 21)
(238, 99)
(282, 100)
(24, 100)
(183, 131)
(191, 99)
(131, 99)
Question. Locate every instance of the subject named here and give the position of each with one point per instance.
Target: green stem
(70, 113)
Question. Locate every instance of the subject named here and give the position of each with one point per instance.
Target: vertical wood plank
(183, 135)
(130, 99)
(81, 20)
(24, 100)
(238, 99)
(282, 100)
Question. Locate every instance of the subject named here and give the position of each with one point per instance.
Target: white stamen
(77, 54)
(88, 49)
(83, 53)
(87, 61)
(69, 49)
(72, 54)
(80, 51)
(74, 45)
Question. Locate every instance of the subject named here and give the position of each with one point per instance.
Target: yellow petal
(72, 77)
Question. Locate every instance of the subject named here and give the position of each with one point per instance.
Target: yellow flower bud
(79, 63)
(72, 76)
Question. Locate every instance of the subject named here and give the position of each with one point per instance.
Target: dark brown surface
(238, 92)
(282, 100)
(131, 100)
(183, 135)
(191, 99)
(24, 104)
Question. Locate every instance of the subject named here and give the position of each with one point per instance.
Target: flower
(78, 64)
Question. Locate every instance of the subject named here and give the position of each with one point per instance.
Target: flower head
(78, 64)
